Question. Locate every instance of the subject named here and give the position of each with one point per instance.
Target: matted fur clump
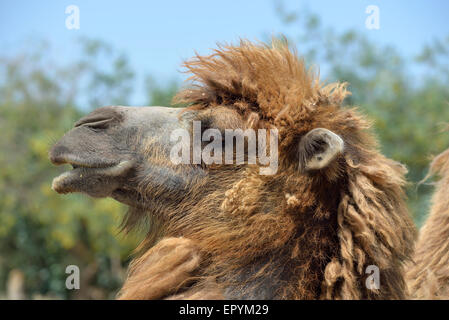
(428, 276)
(296, 234)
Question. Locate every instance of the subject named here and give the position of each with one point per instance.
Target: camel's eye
(202, 124)
(207, 123)
(217, 120)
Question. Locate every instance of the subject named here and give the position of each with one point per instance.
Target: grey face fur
(106, 151)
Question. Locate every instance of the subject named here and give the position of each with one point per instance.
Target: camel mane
(310, 235)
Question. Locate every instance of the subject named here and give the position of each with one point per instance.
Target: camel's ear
(318, 148)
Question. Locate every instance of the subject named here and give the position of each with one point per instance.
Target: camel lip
(77, 162)
(71, 181)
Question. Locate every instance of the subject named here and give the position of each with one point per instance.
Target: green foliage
(158, 95)
(106, 84)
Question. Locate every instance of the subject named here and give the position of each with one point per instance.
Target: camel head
(127, 153)
(112, 149)
(313, 202)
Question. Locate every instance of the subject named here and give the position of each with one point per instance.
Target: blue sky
(158, 35)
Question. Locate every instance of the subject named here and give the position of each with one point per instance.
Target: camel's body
(316, 228)
(428, 277)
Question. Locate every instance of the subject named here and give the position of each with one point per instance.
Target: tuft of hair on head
(252, 76)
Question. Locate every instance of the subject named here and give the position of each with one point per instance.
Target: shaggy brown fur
(296, 234)
(428, 277)
(167, 270)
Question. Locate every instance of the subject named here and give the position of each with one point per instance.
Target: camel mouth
(97, 181)
(75, 161)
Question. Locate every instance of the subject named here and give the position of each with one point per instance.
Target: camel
(428, 276)
(315, 229)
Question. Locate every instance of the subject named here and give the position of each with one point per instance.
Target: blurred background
(61, 59)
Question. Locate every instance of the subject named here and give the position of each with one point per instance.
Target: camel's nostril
(99, 118)
(98, 124)
(56, 155)
(56, 160)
